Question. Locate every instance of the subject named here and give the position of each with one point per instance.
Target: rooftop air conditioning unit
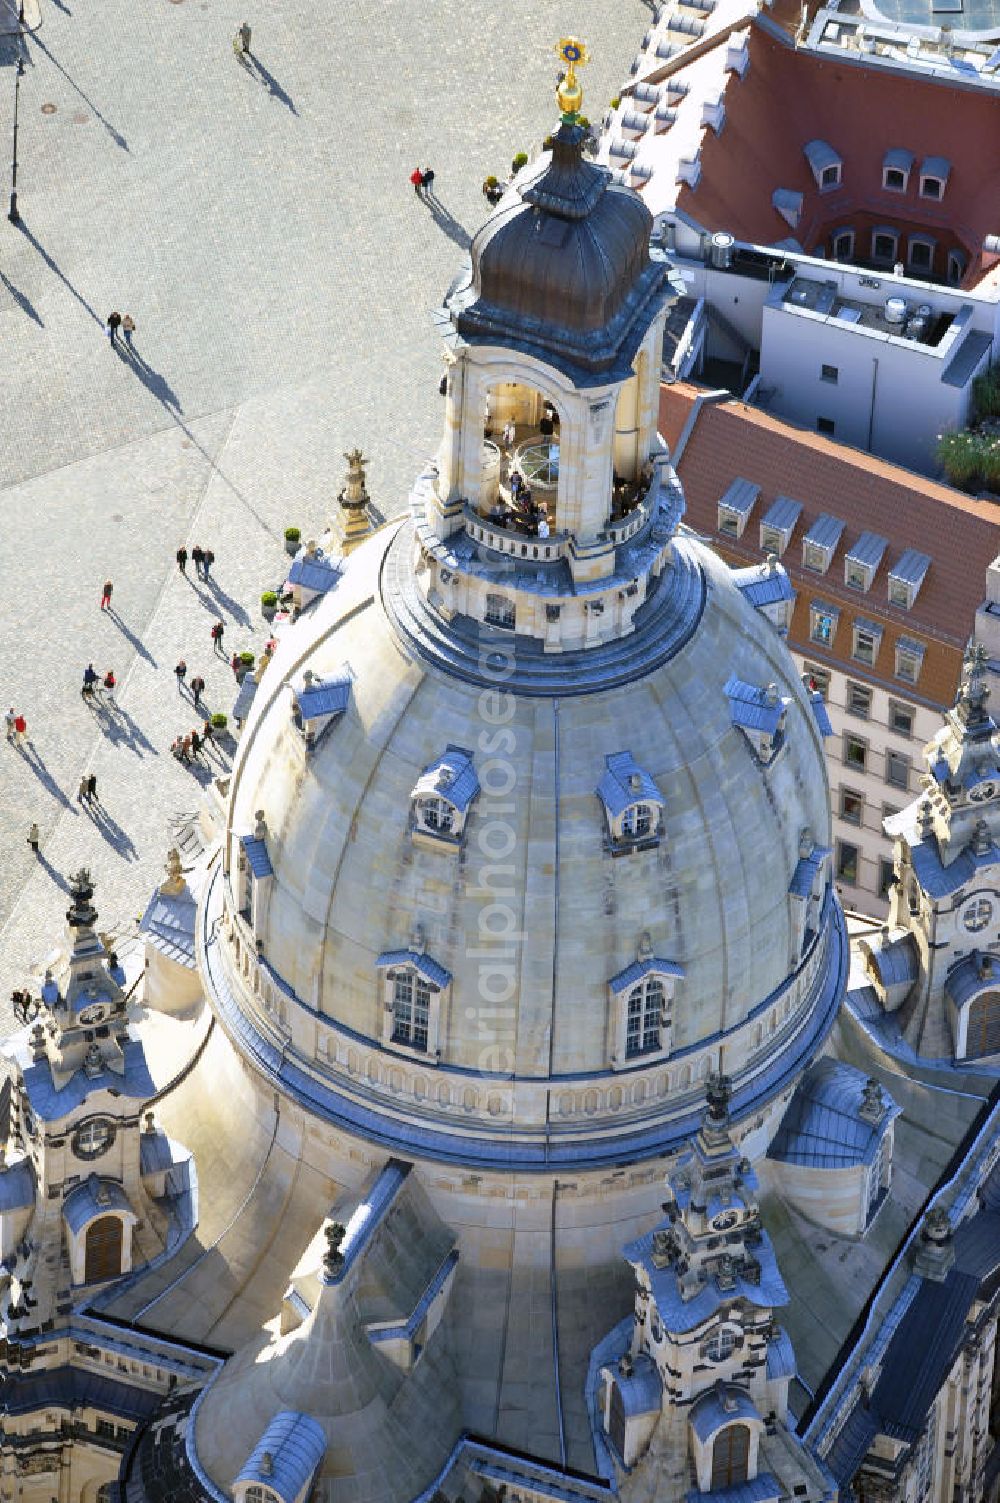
(895, 310)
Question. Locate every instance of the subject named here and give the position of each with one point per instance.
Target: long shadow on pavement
(273, 86)
(448, 223)
(153, 380)
(237, 611)
(130, 636)
(119, 727)
(112, 831)
(24, 303)
(39, 247)
(52, 873)
(115, 135)
(34, 760)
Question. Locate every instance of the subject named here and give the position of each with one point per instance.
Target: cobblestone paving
(259, 226)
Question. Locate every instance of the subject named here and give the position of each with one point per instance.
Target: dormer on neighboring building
(825, 164)
(906, 576)
(281, 1467)
(442, 797)
(319, 703)
(934, 174)
(735, 507)
(862, 560)
(640, 1009)
(633, 805)
(820, 542)
(760, 713)
(896, 167)
(778, 524)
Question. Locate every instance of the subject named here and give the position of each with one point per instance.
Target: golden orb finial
(574, 54)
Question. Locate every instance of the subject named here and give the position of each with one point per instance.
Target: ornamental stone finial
(333, 1260)
(569, 94)
(174, 882)
(355, 492)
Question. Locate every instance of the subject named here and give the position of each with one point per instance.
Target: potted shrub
(521, 160)
(268, 604)
(219, 723)
(616, 101)
(292, 538)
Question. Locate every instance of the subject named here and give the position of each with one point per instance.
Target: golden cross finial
(574, 54)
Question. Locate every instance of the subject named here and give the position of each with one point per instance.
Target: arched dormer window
(413, 988)
(725, 1430)
(760, 714)
(641, 998)
(442, 798)
(633, 805)
(731, 1456)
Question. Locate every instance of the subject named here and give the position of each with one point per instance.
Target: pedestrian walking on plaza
(195, 743)
(114, 320)
(109, 686)
(186, 749)
(207, 733)
(11, 718)
(34, 838)
(417, 179)
(92, 789)
(197, 558)
(20, 730)
(89, 680)
(236, 663)
(106, 595)
(427, 182)
(181, 672)
(83, 794)
(218, 632)
(241, 41)
(128, 328)
(207, 560)
(197, 690)
(182, 559)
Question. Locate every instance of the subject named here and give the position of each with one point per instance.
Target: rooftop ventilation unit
(720, 249)
(895, 310)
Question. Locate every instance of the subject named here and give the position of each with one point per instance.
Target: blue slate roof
(749, 709)
(642, 1390)
(821, 1126)
(782, 514)
(910, 567)
(762, 1489)
(898, 962)
(82, 1204)
(740, 496)
(761, 586)
(368, 1214)
(781, 1356)
(709, 1413)
(616, 791)
(825, 531)
(427, 967)
(318, 572)
(868, 550)
(50, 1104)
(296, 1443)
(258, 860)
(244, 698)
(17, 1187)
(940, 881)
(74, 1389)
(451, 776)
(168, 924)
(324, 697)
(408, 1328)
(654, 965)
(965, 981)
(155, 1153)
(820, 713)
(680, 1315)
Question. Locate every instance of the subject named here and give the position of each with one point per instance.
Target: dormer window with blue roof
(633, 805)
(806, 893)
(413, 988)
(443, 797)
(641, 998)
(253, 868)
(760, 714)
(284, 1462)
(319, 703)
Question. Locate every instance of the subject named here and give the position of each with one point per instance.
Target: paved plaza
(260, 227)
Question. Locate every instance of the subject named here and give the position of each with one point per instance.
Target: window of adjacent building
(644, 1016)
(859, 700)
(899, 593)
(826, 425)
(855, 752)
(897, 769)
(931, 187)
(729, 521)
(894, 178)
(822, 625)
(843, 245)
(772, 540)
(956, 267)
(847, 862)
(901, 718)
(637, 821)
(909, 660)
(977, 915)
(921, 253)
(721, 1345)
(437, 814)
(884, 245)
(105, 1429)
(856, 576)
(500, 611)
(829, 373)
(865, 645)
(818, 680)
(852, 806)
(411, 1009)
(886, 875)
(830, 177)
(815, 558)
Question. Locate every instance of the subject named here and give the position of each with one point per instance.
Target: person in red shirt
(417, 179)
(20, 730)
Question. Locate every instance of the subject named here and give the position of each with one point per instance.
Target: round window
(93, 1137)
(977, 915)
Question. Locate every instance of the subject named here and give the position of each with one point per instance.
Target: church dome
(563, 262)
(471, 873)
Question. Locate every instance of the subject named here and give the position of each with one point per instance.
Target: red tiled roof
(789, 97)
(959, 534)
